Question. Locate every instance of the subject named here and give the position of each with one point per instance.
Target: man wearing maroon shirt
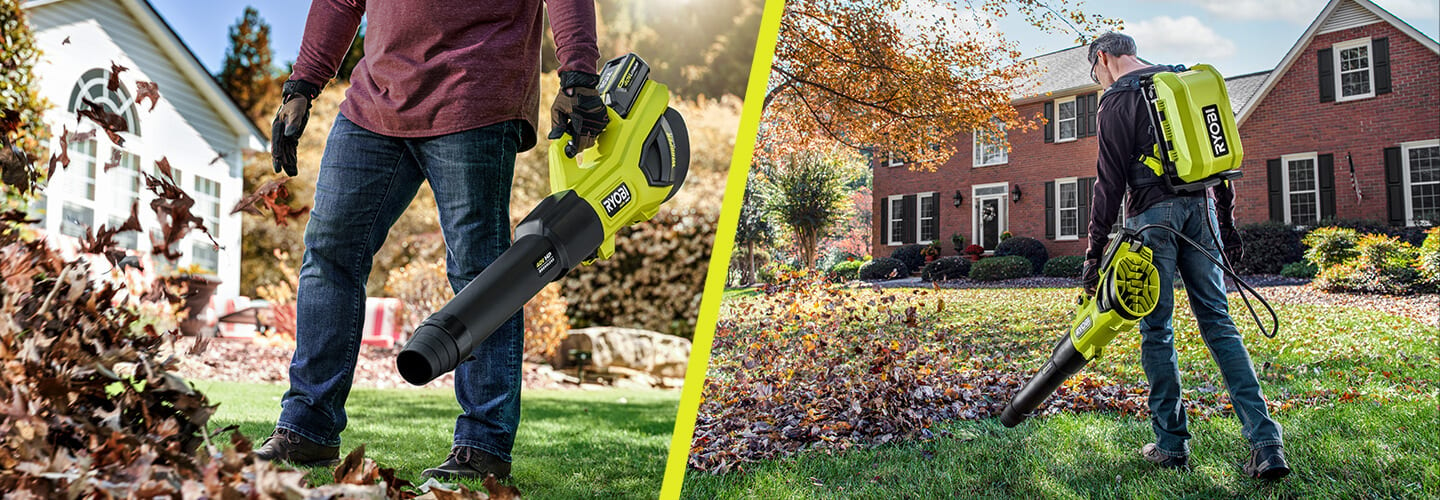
(447, 93)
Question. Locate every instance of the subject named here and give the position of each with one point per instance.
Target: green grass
(741, 292)
(571, 444)
(1360, 419)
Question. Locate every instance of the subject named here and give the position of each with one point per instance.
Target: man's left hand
(1090, 275)
(1234, 247)
(578, 110)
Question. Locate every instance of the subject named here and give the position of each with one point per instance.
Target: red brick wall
(1291, 119)
(1032, 162)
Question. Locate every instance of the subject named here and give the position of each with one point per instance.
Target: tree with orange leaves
(901, 76)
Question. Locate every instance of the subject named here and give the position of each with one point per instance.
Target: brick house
(1359, 86)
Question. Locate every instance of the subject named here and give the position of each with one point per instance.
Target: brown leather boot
(286, 446)
(1267, 463)
(465, 462)
(1152, 454)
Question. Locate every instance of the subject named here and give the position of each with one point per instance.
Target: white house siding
(184, 127)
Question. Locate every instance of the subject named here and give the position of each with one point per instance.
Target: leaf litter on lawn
(809, 365)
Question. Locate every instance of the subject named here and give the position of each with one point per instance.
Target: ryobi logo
(616, 200)
(545, 262)
(1084, 328)
(1218, 146)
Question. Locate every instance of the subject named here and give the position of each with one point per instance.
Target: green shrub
(946, 268)
(883, 268)
(1268, 247)
(773, 272)
(1428, 262)
(1328, 246)
(1412, 235)
(847, 270)
(1001, 268)
(1066, 266)
(1383, 264)
(1029, 248)
(910, 255)
(1303, 270)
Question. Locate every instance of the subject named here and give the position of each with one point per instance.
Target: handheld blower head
(1129, 289)
(639, 161)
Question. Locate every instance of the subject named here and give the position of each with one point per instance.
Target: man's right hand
(1090, 276)
(289, 123)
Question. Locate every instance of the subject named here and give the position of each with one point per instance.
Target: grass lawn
(1357, 391)
(572, 444)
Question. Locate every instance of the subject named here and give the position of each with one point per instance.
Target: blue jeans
(365, 183)
(1205, 284)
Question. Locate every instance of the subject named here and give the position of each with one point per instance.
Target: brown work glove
(578, 111)
(1090, 276)
(289, 123)
(1234, 247)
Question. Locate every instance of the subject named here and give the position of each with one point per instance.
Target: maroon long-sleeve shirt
(434, 67)
(1124, 133)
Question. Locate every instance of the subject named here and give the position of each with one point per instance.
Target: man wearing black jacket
(1125, 134)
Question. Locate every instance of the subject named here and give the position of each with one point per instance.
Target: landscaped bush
(910, 255)
(1269, 246)
(1328, 246)
(847, 270)
(946, 268)
(1029, 248)
(1001, 268)
(773, 271)
(1067, 266)
(1415, 236)
(1302, 270)
(1428, 262)
(1384, 264)
(883, 268)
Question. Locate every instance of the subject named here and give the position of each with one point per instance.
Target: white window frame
(1405, 148)
(893, 161)
(205, 201)
(975, 199)
(920, 216)
(1285, 181)
(1073, 119)
(979, 148)
(1369, 68)
(1060, 228)
(895, 240)
(77, 180)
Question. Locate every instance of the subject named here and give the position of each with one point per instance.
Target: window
(1065, 120)
(1355, 77)
(990, 148)
(1302, 188)
(77, 215)
(928, 211)
(1421, 163)
(207, 203)
(897, 220)
(893, 160)
(124, 239)
(92, 86)
(125, 178)
(1067, 208)
(204, 254)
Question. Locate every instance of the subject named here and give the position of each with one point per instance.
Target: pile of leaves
(811, 366)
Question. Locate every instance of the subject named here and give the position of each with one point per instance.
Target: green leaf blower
(638, 162)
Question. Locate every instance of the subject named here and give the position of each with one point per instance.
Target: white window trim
(920, 216)
(976, 158)
(892, 161)
(1405, 148)
(975, 200)
(894, 240)
(202, 198)
(1370, 69)
(1285, 181)
(1075, 119)
(1058, 227)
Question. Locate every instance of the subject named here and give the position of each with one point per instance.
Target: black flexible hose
(1225, 266)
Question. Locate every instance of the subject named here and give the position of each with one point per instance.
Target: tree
(809, 194)
(902, 76)
(247, 74)
(20, 103)
(754, 227)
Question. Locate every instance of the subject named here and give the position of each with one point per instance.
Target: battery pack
(1192, 110)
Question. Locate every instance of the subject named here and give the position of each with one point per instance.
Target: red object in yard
(382, 322)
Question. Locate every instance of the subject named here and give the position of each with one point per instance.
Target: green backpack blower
(1197, 144)
(637, 163)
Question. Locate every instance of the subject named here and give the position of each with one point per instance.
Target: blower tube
(1065, 362)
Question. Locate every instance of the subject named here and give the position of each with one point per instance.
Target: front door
(989, 217)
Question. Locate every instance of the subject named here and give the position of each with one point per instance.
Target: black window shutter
(908, 234)
(1394, 187)
(1326, 61)
(1327, 186)
(1089, 105)
(1050, 121)
(1050, 210)
(1085, 185)
(1380, 50)
(885, 221)
(1277, 192)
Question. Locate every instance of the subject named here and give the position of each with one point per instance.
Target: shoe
(286, 446)
(465, 462)
(1152, 454)
(1267, 463)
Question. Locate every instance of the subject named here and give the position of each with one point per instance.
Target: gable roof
(1242, 88)
(1338, 14)
(1061, 72)
(185, 61)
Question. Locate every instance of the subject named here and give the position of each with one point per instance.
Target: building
(1359, 87)
(194, 124)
